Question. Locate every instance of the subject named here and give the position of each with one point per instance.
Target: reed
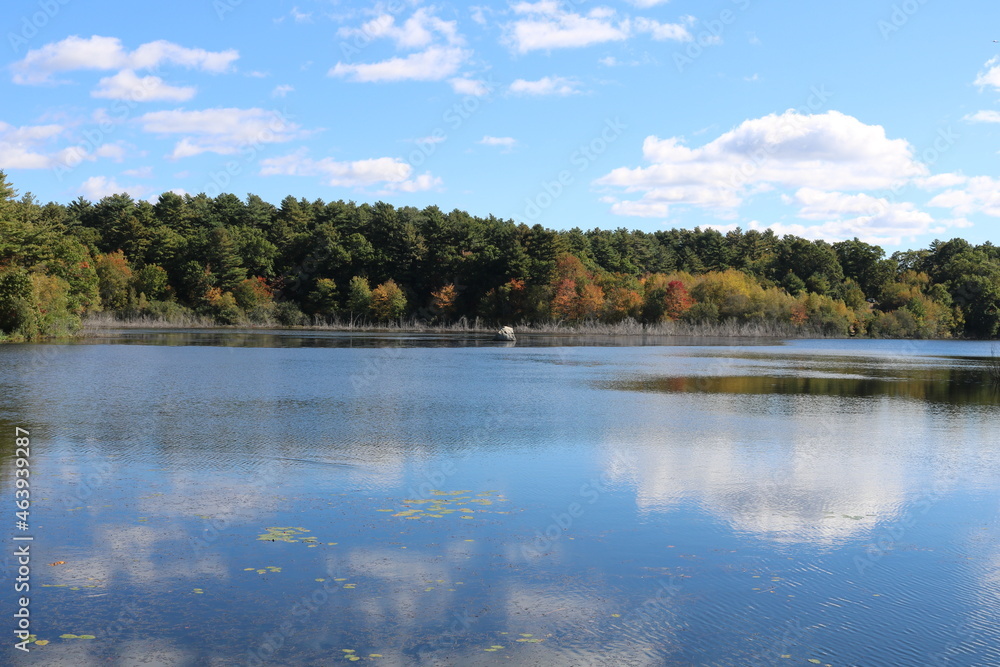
(993, 366)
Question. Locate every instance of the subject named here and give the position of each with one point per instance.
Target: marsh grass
(97, 323)
(993, 366)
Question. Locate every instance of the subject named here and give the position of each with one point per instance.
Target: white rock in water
(507, 333)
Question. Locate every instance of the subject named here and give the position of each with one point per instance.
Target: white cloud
(646, 4)
(31, 147)
(224, 131)
(549, 85)
(937, 181)
(465, 86)
(281, 91)
(392, 174)
(827, 160)
(434, 64)
(981, 194)
(126, 85)
(663, 31)
(418, 31)
(829, 151)
(983, 117)
(479, 14)
(506, 143)
(991, 76)
(141, 172)
(114, 151)
(107, 53)
(889, 229)
(545, 25)
(441, 55)
(98, 187)
(872, 219)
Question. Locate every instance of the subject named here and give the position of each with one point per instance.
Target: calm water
(290, 499)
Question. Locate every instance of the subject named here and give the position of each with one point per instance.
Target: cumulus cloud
(545, 25)
(984, 117)
(981, 194)
(434, 64)
(873, 219)
(107, 53)
(830, 151)
(824, 166)
(991, 75)
(23, 147)
(548, 85)
(126, 85)
(418, 31)
(390, 174)
(224, 131)
(548, 25)
(441, 53)
(281, 91)
(98, 187)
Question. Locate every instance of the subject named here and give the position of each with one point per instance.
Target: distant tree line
(247, 261)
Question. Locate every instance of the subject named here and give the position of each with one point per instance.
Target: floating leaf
(68, 636)
(87, 637)
(815, 661)
(58, 562)
(374, 655)
(320, 579)
(41, 642)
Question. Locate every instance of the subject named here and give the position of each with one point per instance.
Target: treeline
(239, 261)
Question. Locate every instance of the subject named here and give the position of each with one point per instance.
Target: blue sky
(826, 120)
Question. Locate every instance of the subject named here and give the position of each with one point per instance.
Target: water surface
(298, 498)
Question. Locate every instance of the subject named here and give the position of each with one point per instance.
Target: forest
(247, 262)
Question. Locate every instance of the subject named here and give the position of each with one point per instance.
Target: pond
(308, 498)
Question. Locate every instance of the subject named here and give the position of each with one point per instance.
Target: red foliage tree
(677, 300)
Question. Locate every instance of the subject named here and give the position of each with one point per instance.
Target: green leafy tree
(359, 297)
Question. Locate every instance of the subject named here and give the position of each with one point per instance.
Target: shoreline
(749, 330)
